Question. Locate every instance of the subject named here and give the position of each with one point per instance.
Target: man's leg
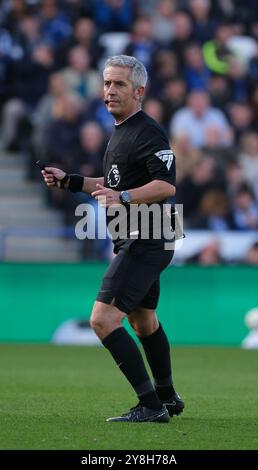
(157, 349)
(106, 320)
(124, 286)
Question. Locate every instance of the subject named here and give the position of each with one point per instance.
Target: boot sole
(162, 418)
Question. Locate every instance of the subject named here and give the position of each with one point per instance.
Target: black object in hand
(41, 165)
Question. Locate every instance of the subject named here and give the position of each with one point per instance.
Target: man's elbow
(172, 191)
(169, 190)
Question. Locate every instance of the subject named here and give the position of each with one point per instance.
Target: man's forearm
(89, 184)
(154, 191)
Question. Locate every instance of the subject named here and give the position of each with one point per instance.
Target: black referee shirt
(138, 152)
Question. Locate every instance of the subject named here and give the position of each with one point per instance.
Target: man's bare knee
(143, 321)
(105, 318)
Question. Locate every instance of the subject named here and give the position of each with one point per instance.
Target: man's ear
(138, 93)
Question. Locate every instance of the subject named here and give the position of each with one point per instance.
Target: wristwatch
(125, 197)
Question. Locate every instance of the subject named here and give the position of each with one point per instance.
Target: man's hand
(106, 197)
(49, 175)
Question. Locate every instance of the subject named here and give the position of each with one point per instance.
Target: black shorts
(132, 279)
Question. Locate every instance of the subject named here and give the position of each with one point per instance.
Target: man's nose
(111, 89)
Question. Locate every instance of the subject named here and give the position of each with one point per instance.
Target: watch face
(125, 196)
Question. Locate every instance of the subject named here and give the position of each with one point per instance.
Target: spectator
(209, 255)
(183, 34)
(163, 21)
(45, 108)
(29, 84)
(27, 34)
(248, 159)
(223, 10)
(84, 35)
(238, 81)
(154, 109)
(203, 23)
(75, 9)
(219, 90)
(78, 77)
(55, 25)
(251, 256)
(216, 52)
(142, 44)
(240, 117)
(234, 178)
(12, 13)
(243, 48)
(44, 113)
(213, 212)
(213, 147)
(244, 208)
(194, 120)
(173, 97)
(88, 160)
(8, 52)
(195, 71)
(164, 67)
(62, 133)
(112, 15)
(192, 188)
(186, 157)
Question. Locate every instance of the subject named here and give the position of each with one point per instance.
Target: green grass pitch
(56, 397)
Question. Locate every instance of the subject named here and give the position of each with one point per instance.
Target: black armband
(75, 183)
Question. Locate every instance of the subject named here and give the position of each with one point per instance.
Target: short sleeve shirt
(138, 152)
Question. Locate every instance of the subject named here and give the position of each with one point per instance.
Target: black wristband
(61, 183)
(75, 183)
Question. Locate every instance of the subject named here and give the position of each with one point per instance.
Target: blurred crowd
(202, 60)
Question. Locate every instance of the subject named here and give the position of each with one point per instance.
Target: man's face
(198, 102)
(123, 100)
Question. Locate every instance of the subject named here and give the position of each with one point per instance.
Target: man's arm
(52, 174)
(89, 184)
(155, 191)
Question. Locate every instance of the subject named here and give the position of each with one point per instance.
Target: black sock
(157, 350)
(150, 400)
(129, 359)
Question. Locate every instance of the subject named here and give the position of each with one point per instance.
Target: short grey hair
(139, 75)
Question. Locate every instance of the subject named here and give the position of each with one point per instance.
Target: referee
(138, 168)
